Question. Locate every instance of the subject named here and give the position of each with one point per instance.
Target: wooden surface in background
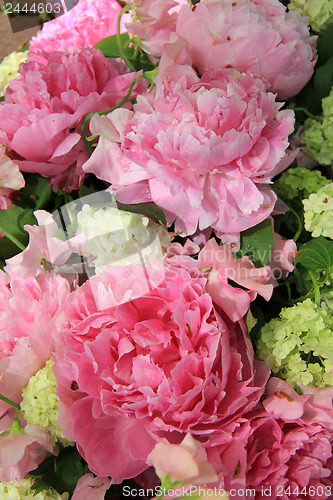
(10, 41)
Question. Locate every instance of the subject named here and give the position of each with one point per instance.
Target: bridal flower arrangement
(166, 218)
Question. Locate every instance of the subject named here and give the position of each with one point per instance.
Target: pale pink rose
(283, 458)
(83, 26)
(91, 488)
(234, 301)
(201, 152)
(154, 22)
(133, 372)
(44, 107)
(258, 36)
(30, 321)
(21, 450)
(185, 462)
(282, 256)
(42, 245)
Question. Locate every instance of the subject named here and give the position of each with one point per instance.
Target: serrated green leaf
(139, 59)
(323, 79)
(149, 210)
(257, 243)
(316, 254)
(12, 222)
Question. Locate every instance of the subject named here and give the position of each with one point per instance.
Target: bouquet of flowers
(166, 202)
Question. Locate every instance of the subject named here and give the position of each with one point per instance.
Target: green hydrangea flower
(318, 212)
(319, 12)
(299, 183)
(9, 69)
(22, 490)
(318, 136)
(40, 404)
(298, 344)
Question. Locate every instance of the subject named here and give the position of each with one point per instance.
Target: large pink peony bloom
(154, 22)
(201, 149)
(289, 460)
(133, 372)
(250, 35)
(44, 107)
(30, 321)
(86, 24)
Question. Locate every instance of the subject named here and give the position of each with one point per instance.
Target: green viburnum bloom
(9, 69)
(299, 183)
(40, 404)
(318, 136)
(298, 344)
(318, 212)
(23, 490)
(319, 12)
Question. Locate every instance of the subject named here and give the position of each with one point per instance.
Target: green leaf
(324, 46)
(257, 243)
(323, 79)
(109, 47)
(12, 222)
(61, 473)
(316, 254)
(36, 194)
(149, 210)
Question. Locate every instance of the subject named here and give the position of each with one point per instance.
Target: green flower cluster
(40, 404)
(318, 136)
(9, 69)
(320, 12)
(299, 183)
(23, 490)
(318, 212)
(299, 344)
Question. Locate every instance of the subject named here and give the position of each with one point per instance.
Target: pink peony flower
(154, 22)
(133, 372)
(91, 488)
(21, 450)
(258, 36)
(44, 107)
(201, 150)
(83, 26)
(288, 460)
(30, 321)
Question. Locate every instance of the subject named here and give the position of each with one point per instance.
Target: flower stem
(9, 402)
(315, 287)
(13, 238)
(88, 117)
(120, 47)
